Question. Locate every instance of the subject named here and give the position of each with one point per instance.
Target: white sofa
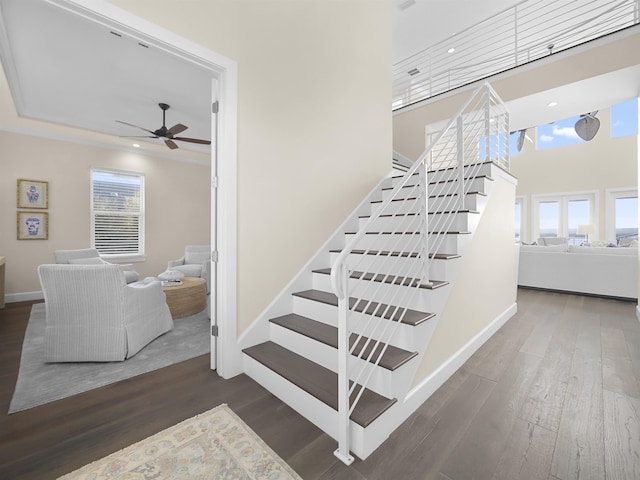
(601, 271)
(92, 315)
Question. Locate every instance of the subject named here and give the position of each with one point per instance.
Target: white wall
(488, 271)
(314, 121)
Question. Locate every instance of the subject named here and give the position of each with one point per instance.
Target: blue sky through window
(558, 134)
(624, 118)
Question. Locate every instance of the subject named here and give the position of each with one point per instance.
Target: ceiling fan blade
(137, 136)
(171, 144)
(193, 140)
(136, 126)
(178, 128)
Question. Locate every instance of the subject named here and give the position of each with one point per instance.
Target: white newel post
(343, 368)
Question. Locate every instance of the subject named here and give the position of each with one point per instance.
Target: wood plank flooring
(552, 395)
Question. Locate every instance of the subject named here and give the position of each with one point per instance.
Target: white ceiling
(70, 70)
(427, 22)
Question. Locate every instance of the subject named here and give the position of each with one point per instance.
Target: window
(549, 219)
(622, 215)
(117, 213)
(558, 134)
(624, 118)
(560, 215)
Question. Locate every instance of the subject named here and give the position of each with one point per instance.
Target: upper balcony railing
(525, 32)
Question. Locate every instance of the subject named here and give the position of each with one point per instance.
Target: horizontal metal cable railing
(528, 31)
(383, 268)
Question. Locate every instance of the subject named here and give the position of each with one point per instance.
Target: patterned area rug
(214, 445)
(39, 382)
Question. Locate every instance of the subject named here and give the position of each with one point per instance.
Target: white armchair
(90, 256)
(196, 262)
(92, 315)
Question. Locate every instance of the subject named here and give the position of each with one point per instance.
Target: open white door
(213, 296)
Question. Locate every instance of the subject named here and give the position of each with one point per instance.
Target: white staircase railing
(530, 30)
(413, 238)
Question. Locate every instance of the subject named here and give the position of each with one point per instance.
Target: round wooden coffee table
(188, 298)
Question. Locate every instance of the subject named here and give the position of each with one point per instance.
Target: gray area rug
(39, 382)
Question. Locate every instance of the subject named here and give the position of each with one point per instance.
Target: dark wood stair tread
(388, 278)
(317, 381)
(384, 253)
(392, 359)
(409, 316)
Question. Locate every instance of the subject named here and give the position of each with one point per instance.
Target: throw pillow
(197, 257)
(87, 261)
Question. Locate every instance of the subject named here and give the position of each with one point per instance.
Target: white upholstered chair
(92, 315)
(90, 256)
(196, 262)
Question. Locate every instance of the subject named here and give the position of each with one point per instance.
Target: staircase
(343, 350)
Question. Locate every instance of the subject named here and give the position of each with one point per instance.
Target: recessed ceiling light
(552, 104)
(136, 145)
(451, 50)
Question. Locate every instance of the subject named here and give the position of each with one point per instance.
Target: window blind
(117, 208)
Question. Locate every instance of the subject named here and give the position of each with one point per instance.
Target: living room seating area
(593, 270)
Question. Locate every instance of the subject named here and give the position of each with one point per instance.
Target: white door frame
(228, 357)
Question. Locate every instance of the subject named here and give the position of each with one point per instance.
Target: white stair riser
(363, 441)
(383, 381)
(444, 188)
(401, 335)
(413, 223)
(438, 269)
(406, 243)
(448, 202)
(426, 300)
(404, 336)
(459, 222)
(469, 171)
(410, 191)
(437, 202)
(472, 201)
(439, 175)
(319, 311)
(396, 180)
(397, 207)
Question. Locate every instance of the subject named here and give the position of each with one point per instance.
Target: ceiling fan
(587, 126)
(167, 133)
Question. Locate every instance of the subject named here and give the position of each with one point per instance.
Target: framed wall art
(33, 225)
(33, 194)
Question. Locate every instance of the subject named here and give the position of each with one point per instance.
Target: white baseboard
(23, 297)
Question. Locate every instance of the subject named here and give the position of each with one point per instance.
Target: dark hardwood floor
(555, 394)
